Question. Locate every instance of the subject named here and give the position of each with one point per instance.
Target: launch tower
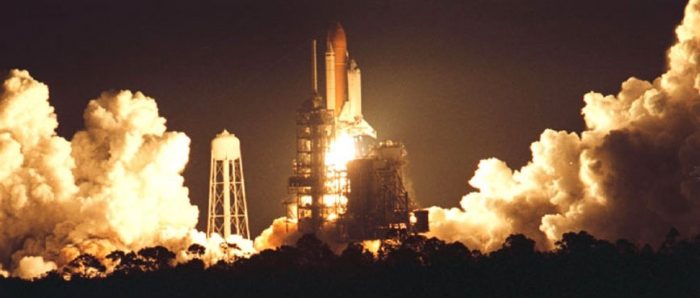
(228, 212)
(340, 179)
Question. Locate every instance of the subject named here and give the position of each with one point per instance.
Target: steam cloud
(280, 232)
(283, 231)
(116, 185)
(632, 173)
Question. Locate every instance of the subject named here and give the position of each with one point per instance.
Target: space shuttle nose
(336, 36)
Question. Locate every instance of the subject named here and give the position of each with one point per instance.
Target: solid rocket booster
(330, 79)
(354, 90)
(337, 46)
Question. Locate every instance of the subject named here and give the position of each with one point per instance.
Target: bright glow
(342, 151)
(332, 217)
(372, 246)
(334, 200)
(329, 200)
(305, 200)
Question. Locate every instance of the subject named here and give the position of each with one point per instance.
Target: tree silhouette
(313, 252)
(85, 266)
(355, 255)
(127, 263)
(519, 245)
(196, 249)
(670, 241)
(580, 266)
(580, 243)
(154, 258)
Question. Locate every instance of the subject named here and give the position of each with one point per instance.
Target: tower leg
(227, 198)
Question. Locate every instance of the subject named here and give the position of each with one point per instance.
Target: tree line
(579, 266)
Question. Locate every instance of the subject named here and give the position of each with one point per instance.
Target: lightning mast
(228, 212)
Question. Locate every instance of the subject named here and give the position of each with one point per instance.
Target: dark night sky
(456, 81)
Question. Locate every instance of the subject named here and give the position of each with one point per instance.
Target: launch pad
(343, 180)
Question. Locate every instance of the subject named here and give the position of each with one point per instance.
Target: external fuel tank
(338, 43)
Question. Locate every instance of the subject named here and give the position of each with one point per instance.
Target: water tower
(228, 212)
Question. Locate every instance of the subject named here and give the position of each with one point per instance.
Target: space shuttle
(343, 86)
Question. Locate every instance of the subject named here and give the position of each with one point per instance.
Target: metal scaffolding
(315, 128)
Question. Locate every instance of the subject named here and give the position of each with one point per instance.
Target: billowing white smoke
(282, 231)
(633, 173)
(128, 172)
(116, 185)
(37, 189)
(217, 249)
(32, 267)
(3, 272)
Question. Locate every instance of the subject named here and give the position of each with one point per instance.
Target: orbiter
(343, 86)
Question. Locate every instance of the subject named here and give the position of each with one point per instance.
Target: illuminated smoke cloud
(280, 232)
(632, 173)
(116, 185)
(128, 169)
(217, 249)
(31, 267)
(37, 188)
(3, 272)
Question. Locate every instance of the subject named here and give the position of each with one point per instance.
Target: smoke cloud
(117, 185)
(282, 231)
(218, 248)
(31, 267)
(632, 173)
(126, 161)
